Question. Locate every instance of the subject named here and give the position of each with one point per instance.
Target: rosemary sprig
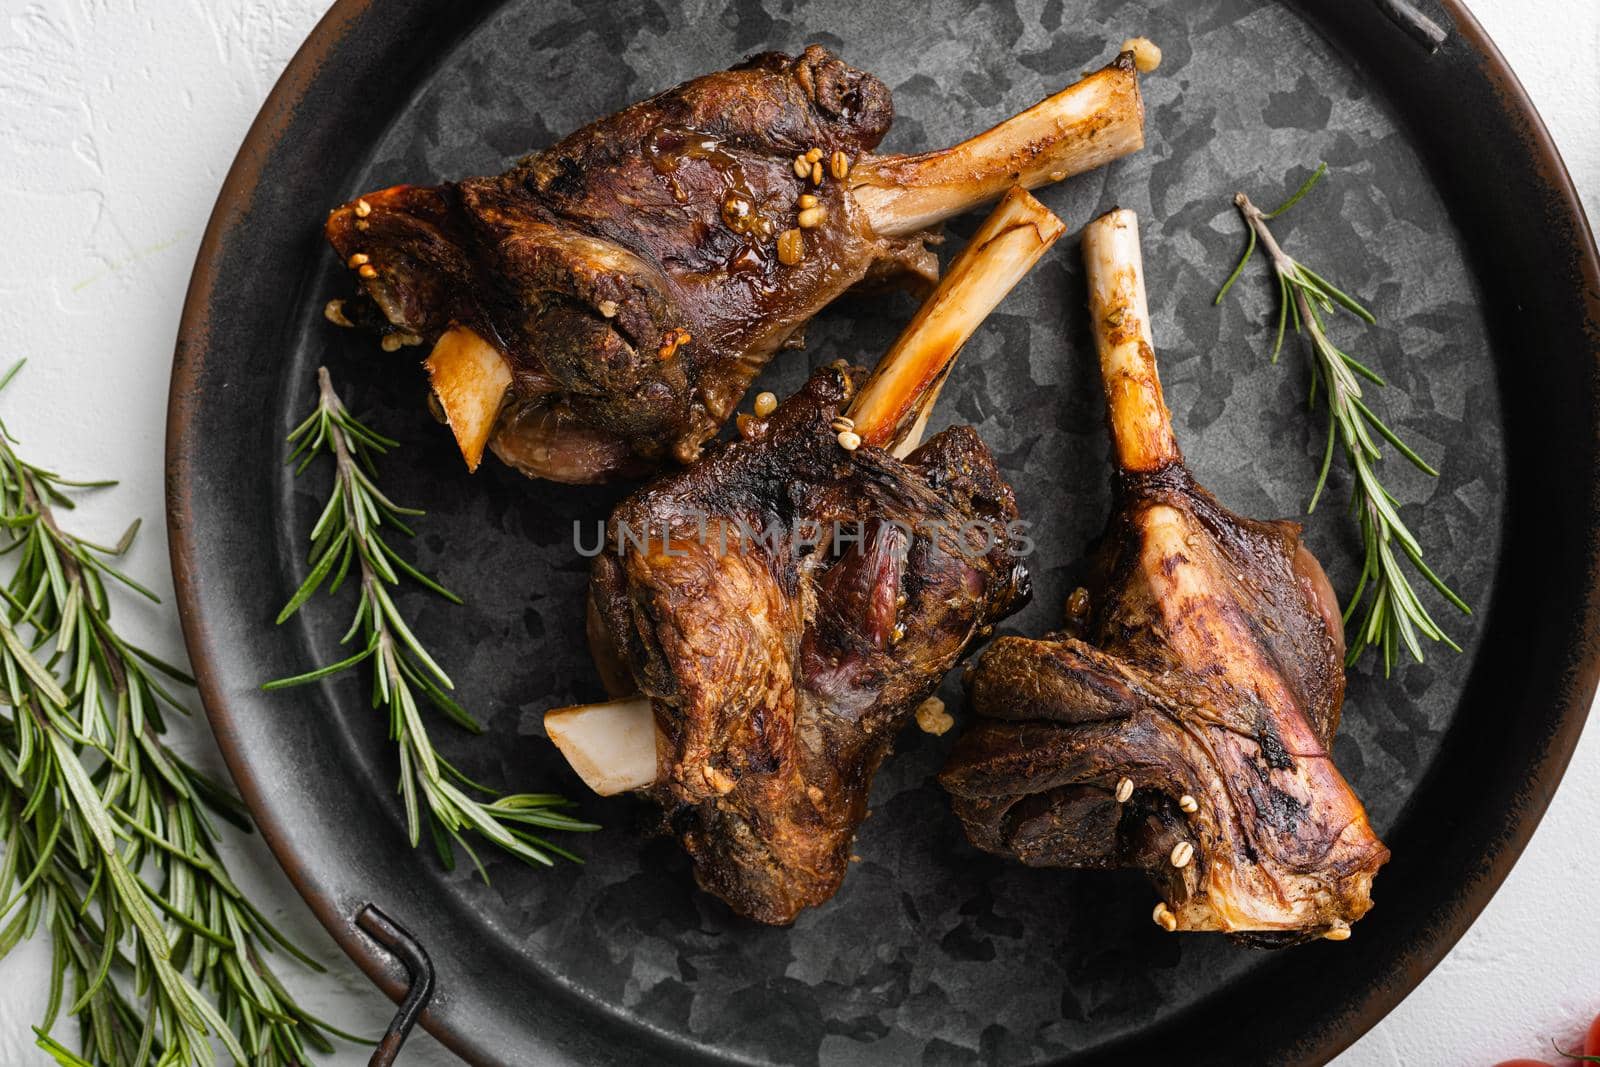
(348, 536)
(109, 846)
(1393, 615)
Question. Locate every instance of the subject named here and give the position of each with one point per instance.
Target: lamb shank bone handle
(1090, 123)
(1141, 426)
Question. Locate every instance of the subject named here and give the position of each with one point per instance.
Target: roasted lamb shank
(605, 303)
(802, 593)
(1183, 720)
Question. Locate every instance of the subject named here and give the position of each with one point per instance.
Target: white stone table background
(118, 121)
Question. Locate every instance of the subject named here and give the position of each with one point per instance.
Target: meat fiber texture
(795, 604)
(630, 272)
(1203, 673)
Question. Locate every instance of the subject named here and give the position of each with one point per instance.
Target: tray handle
(1419, 27)
(408, 950)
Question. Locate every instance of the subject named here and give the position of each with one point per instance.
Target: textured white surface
(118, 121)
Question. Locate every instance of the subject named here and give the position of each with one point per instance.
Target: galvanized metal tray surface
(1446, 208)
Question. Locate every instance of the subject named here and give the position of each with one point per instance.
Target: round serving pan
(1447, 207)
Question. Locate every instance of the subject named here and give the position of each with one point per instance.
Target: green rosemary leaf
(1327, 464)
(176, 673)
(1339, 296)
(472, 855)
(1305, 187)
(416, 575)
(98, 822)
(57, 480)
(324, 564)
(378, 443)
(1438, 583)
(52, 564)
(549, 818)
(331, 513)
(23, 657)
(1283, 318)
(339, 574)
(1249, 250)
(399, 524)
(1389, 435)
(375, 496)
(318, 674)
(543, 846)
(215, 794)
(303, 433)
(442, 846)
(372, 553)
(397, 624)
(258, 990)
(1362, 369)
(441, 699)
(408, 792)
(524, 801)
(97, 979)
(461, 778)
(58, 1052)
(218, 1025)
(12, 373)
(411, 719)
(43, 862)
(363, 608)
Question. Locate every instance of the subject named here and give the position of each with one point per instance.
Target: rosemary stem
(1256, 219)
(1393, 616)
(403, 673)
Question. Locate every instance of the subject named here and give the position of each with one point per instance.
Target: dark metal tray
(1447, 209)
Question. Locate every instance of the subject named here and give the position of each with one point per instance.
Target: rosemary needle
(348, 540)
(1391, 615)
(108, 843)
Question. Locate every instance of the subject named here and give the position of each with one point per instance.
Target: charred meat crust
(1306, 648)
(629, 272)
(1205, 675)
(780, 667)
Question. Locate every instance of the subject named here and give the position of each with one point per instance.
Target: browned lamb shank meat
(1182, 722)
(801, 594)
(605, 303)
